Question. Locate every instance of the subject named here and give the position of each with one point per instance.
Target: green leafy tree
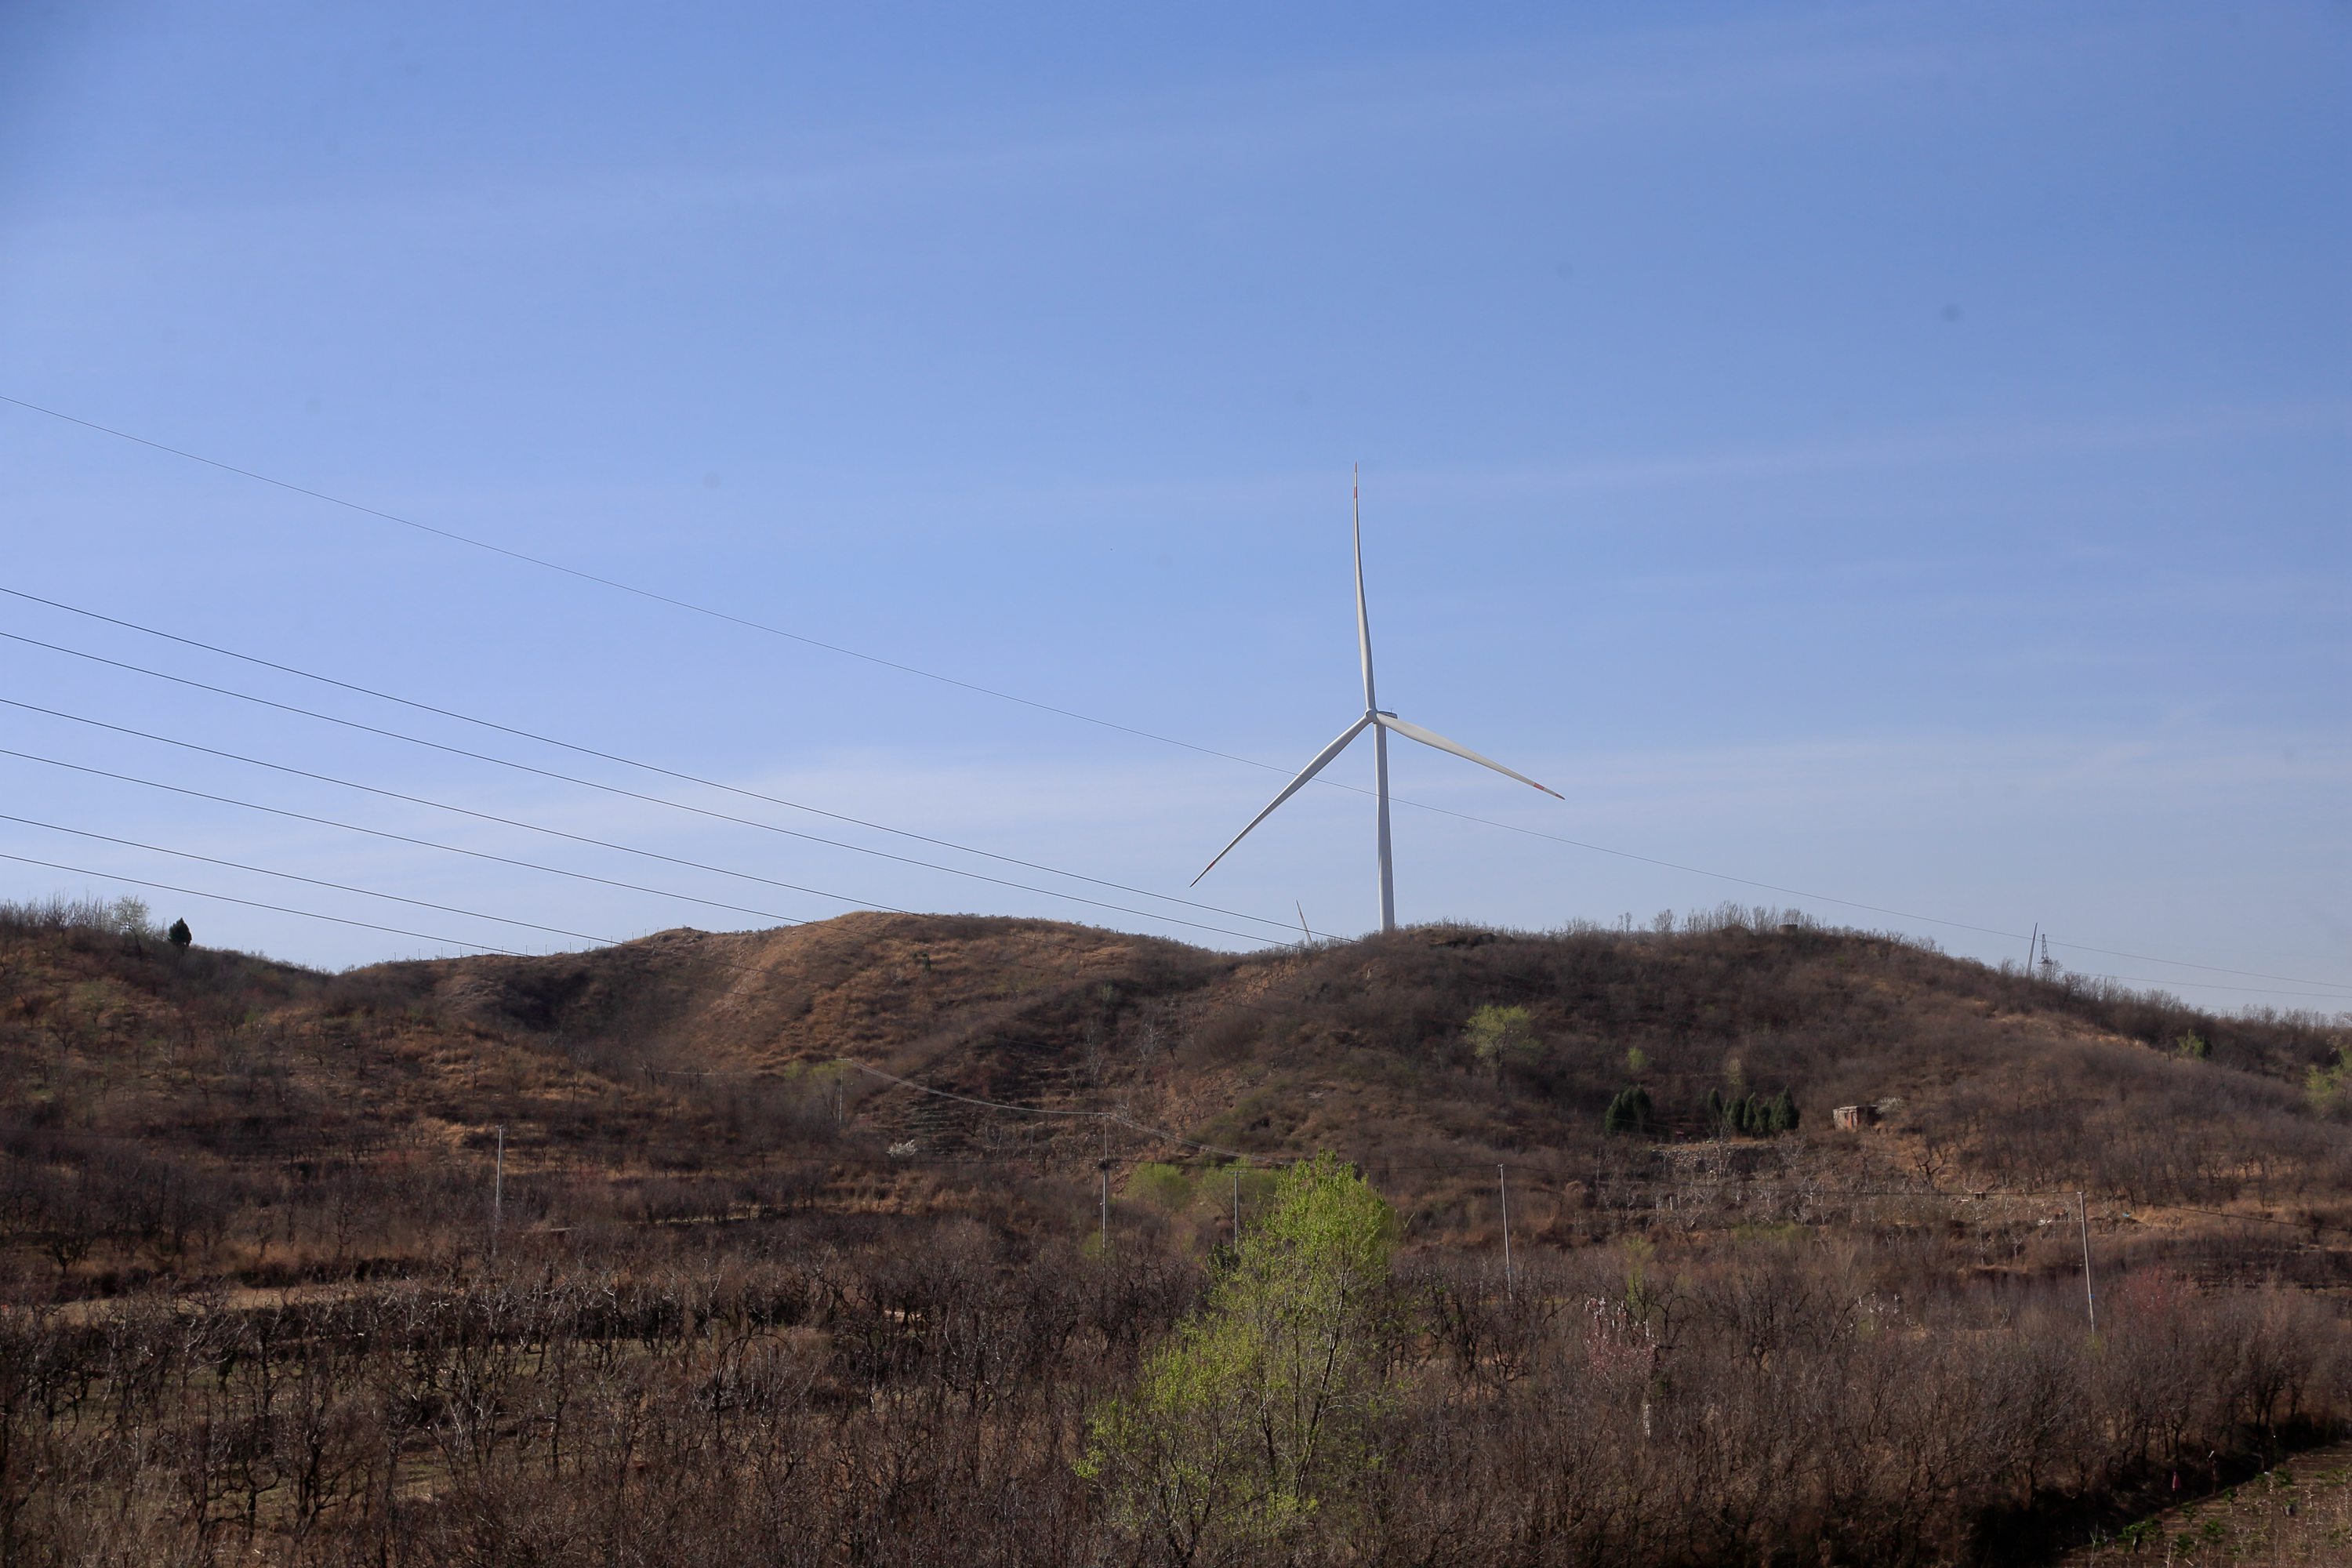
(1501, 1035)
(1261, 1412)
(2193, 1046)
(2328, 1090)
(180, 936)
(1165, 1188)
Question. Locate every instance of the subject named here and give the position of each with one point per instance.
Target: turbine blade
(1363, 618)
(1432, 738)
(1322, 760)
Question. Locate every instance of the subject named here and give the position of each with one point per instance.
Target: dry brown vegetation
(2294, 1516)
(256, 1305)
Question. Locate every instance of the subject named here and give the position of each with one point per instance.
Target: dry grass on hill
(693, 1073)
(255, 1302)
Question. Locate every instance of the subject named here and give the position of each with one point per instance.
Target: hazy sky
(1900, 454)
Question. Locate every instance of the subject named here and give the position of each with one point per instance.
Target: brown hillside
(270, 1289)
(703, 1073)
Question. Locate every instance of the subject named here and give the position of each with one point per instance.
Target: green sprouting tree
(1500, 1035)
(2328, 1088)
(1629, 1113)
(1165, 1188)
(180, 936)
(1262, 1410)
(2193, 1046)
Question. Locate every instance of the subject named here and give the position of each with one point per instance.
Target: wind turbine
(1380, 721)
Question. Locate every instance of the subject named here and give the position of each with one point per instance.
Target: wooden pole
(498, 1191)
(1503, 1184)
(2090, 1300)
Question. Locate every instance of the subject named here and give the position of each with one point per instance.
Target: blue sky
(1896, 453)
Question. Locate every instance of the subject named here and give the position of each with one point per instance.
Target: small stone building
(1854, 1118)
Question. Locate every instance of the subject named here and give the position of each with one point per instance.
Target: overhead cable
(401, 837)
(256, 904)
(296, 877)
(769, 630)
(656, 855)
(627, 762)
(744, 621)
(442, 805)
(634, 795)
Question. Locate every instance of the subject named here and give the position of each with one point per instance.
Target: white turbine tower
(1380, 722)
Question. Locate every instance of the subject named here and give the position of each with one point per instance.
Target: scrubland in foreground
(837, 1392)
(258, 1308)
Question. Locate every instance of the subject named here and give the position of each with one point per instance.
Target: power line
(514, 822)
(638, 794)
(443, 805)
(256, 904)
(619, 586)
(391, 734)
(319, 882)
(776, 631)
(347, 888)
(401, 837)
(600, 843)
(1113, 1117)
(772, 630)
(609, 756)
(2184, 964)
(314, 881)
(1544, 1178)
(2211, 986)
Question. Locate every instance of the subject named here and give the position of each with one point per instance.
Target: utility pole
(2033, 940)
(1503, 1184)
(1237, 1205)
(498, 1191)
(1104, 1166)
(2090, 1301)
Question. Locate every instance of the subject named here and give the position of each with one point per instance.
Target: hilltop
(690, 1074)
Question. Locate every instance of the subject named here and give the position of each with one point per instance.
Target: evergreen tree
(1784, 1112)
(1630, 1112)
(180, 935)
(1711, 1107)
